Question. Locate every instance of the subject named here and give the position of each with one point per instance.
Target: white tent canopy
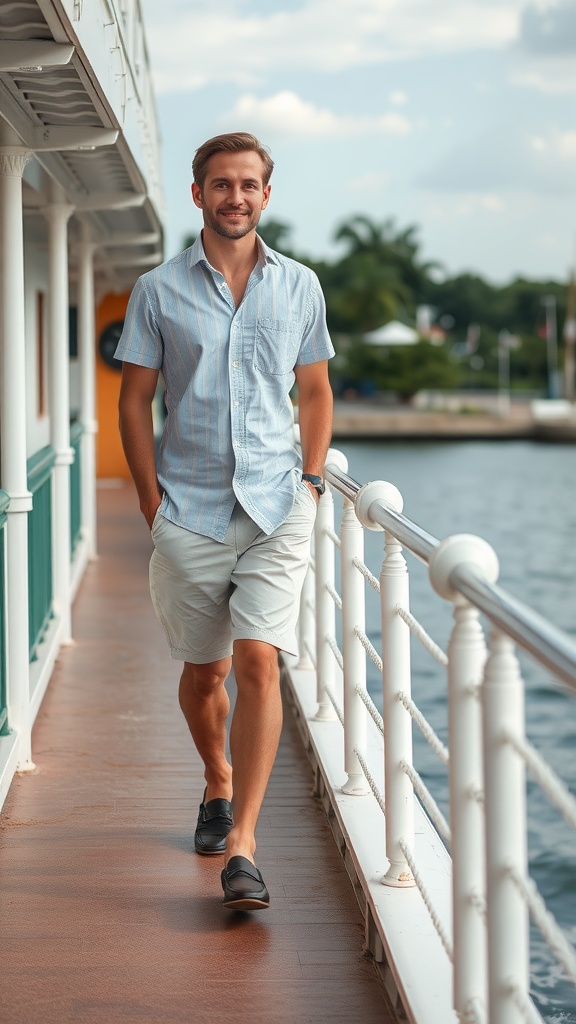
(392, 333)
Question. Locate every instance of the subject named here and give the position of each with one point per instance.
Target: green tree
(276, 234)
(402, 369)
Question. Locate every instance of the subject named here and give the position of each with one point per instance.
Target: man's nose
(235, 196)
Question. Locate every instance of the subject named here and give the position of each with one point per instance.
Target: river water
(520, 496)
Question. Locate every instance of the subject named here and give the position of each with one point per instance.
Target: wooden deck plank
(107, 914)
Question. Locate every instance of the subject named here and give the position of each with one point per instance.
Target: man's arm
(315, 404)
(137, 433)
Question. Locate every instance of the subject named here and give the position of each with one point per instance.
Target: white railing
(492, 895)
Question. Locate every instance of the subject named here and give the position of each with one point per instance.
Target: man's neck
(231, 256)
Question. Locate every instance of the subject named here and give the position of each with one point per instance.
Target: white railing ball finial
(381, 491)
(455, 551)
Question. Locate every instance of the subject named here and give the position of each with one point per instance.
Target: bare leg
(205, 704)
(254, 737)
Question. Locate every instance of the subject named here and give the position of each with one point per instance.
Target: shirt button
(236, 403)
(236, 363)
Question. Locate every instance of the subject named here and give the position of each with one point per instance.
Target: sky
(456, 116)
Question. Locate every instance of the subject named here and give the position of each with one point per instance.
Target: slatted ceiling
(122, 221)
(99, 170)
(63, 96)
(23, 20)
(57, 97)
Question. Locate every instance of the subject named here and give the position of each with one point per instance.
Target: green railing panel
(40, 546)
(76, 432)
(4, 503)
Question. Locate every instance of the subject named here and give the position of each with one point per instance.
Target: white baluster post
(87, 358)
(396, 679)
(466, 659)
(353, 654)
(13, 445)
(325, 611)
(57, 215)
(505, 788)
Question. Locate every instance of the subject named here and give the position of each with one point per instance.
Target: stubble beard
(232, 231)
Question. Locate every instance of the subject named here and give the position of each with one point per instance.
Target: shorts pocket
(302, 488)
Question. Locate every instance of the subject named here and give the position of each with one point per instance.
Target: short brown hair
(233, 142)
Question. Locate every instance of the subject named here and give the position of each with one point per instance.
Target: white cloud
(506, 157)
(286, 114)
(371, 182)
(398, 98)
(559, 145)
(550, 76)
(191, 45)
(467, 206)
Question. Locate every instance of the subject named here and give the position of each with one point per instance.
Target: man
(231, 324)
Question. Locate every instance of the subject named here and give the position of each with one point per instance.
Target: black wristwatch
(316, 482)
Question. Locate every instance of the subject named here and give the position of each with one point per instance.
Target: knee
(256, 667)
(202, 681)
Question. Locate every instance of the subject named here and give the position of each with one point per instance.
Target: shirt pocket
(277, 345)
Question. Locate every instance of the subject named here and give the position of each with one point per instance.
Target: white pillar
(396, 680)
(57, 215)
(466, 660)
(13, 444)
(506, 852)
(353, 654)
(325, 611)
(87, 359)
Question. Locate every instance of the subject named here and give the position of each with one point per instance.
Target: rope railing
(525, 1005)
(547, 779)
(370, 780)
(427, 800)
(337, 707)
(463, 570)
(369, 648)
(372, 709)
(332, 536)
(368, 576)
(425, 728)
(425, 639)
(333, 645)
(553, 935)
(434, 916)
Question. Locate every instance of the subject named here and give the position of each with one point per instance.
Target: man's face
(233, 195)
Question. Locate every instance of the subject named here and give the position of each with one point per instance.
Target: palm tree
(391, 249)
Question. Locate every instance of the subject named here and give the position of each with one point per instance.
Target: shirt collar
(265, 254)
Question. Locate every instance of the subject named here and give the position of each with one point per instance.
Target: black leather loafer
(215, 820)
(243, 886)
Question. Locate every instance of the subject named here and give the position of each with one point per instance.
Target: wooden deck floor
(107, 914)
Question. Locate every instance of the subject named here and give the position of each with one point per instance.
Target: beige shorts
(208, 593)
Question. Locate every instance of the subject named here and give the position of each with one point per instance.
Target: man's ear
(196, 194)
(266, 197)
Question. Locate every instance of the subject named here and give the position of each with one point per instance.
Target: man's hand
(150, 508)
(313, 489)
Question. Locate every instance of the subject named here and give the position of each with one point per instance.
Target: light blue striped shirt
(228, 373)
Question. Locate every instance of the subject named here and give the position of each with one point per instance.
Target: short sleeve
(141, 339)
(316, 343)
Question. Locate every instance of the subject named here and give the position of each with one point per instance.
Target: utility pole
(549, 303)
(569, 334)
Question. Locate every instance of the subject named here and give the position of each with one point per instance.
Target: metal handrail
(545, 642)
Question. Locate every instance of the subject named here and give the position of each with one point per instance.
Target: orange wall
(110, 461)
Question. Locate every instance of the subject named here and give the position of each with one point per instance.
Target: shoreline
(371, 422)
